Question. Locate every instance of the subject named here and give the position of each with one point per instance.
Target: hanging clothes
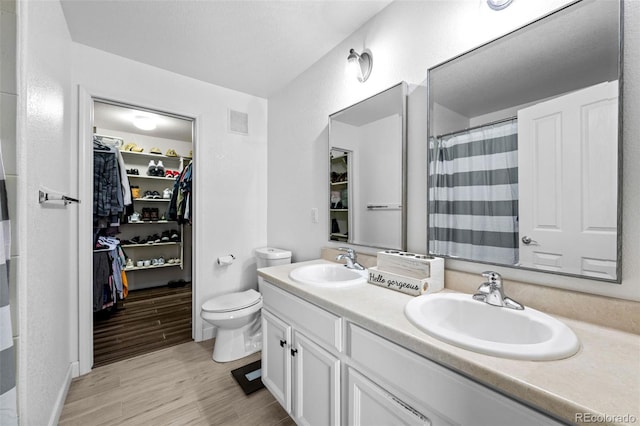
(109, 278)
(180, 207)
(111, 189)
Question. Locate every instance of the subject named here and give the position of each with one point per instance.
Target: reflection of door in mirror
(568, 182)
(339, 193)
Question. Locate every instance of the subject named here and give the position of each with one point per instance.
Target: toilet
(237, 315)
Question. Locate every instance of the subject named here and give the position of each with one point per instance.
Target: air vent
(238, 122)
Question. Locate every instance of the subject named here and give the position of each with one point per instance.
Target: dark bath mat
(249, 377)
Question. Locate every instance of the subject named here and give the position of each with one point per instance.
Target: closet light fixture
(498, 4)
(144, 123)
(360, 64)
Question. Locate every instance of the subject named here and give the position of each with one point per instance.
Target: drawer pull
(282, 343)
(294, 352)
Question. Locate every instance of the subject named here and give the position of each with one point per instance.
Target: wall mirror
(367, 172)
(524, 147)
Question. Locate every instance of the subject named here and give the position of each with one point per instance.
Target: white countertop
(602, 379)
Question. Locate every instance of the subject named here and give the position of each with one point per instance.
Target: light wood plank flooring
(180, 385)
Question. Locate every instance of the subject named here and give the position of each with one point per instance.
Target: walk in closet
(142, 228)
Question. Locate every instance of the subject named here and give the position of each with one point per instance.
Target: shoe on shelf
(155, 195)
(154, 262)
(146, 213)
(161, 260)
(166, 236)
(153, 212)
(152, 168)
(159, 168)
(177, 283)
(131, 241)
(167, 194)
(174, 236)
(129, 263)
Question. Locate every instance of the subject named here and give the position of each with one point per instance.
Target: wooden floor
(180, 385)
(146, 321)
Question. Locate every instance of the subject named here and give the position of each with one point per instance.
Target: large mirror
(367, 157)
(524, 137)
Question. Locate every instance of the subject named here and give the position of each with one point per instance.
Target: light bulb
(144, 123)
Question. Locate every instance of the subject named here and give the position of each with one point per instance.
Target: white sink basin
(328, 276)
(460, 320)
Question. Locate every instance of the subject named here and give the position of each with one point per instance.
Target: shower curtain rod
(515, 117)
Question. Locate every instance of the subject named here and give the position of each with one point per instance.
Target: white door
(276, 358)
(316, 384)
(567, 171)
(371, 405)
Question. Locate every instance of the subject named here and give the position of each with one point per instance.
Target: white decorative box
(404, 263)
(405, 284)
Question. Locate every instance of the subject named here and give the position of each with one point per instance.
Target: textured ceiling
(253, 46)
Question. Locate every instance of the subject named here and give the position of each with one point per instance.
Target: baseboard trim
(62, 395)
(208, 333)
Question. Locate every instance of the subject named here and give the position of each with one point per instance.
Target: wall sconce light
(498, 4)
(360, 65)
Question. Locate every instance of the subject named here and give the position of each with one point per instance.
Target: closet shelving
(169, 249)
(143, 268)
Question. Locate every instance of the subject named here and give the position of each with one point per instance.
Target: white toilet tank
(269, 256)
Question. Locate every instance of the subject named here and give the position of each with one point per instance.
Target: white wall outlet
(314, 215)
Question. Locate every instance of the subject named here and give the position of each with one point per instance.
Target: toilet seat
(232, 301)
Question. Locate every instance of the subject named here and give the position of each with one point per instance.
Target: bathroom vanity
(350, 356)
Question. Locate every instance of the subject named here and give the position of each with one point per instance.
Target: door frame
(86, 98)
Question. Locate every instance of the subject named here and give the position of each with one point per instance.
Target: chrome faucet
(491, 292)
(350, 256)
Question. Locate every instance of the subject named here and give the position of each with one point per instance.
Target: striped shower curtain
(473, 194)
(8, 414)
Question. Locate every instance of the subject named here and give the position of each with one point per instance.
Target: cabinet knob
(294, 352)
(282, 343)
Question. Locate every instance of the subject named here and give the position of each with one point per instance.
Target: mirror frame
(618, 279)
(403, 171)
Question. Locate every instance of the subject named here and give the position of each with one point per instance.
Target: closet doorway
(142, 298)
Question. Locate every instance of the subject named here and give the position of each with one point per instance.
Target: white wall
(406, 39)
(44, 236)
(230, 169)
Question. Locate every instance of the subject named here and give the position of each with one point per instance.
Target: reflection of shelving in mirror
(368, 155)
(339, 194)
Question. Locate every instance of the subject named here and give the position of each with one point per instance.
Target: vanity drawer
(428, 386)
(303, 316)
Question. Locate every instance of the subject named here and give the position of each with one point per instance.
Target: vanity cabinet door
(371, 405)
(316, 384)
(276, 358)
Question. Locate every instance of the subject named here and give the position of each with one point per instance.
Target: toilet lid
(232, 301)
